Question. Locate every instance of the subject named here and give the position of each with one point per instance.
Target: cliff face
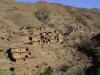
(48, 39)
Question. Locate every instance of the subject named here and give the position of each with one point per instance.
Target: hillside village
(48, 39)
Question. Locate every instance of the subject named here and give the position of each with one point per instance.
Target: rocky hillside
(48, 39)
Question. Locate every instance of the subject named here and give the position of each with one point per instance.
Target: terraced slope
(48, 39)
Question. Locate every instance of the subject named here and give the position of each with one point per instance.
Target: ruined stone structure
(45, 35)
(18, 53)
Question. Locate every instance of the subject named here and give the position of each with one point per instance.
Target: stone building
(18, 53)
(46, 34)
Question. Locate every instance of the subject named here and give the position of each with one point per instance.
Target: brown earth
(48, 39)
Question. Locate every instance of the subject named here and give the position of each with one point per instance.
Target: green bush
(1, 73)
(81, 20)
(48, 71)
(42, 15)
(51, 25)
(64, 68)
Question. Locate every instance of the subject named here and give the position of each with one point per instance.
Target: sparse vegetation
(48, 71)
(51, 25)
(1, 73)
(69, 29)
(42, 15)
(64, 68)
(81, 20)
(43, 35)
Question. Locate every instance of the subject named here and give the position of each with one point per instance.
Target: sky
(75, 3)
